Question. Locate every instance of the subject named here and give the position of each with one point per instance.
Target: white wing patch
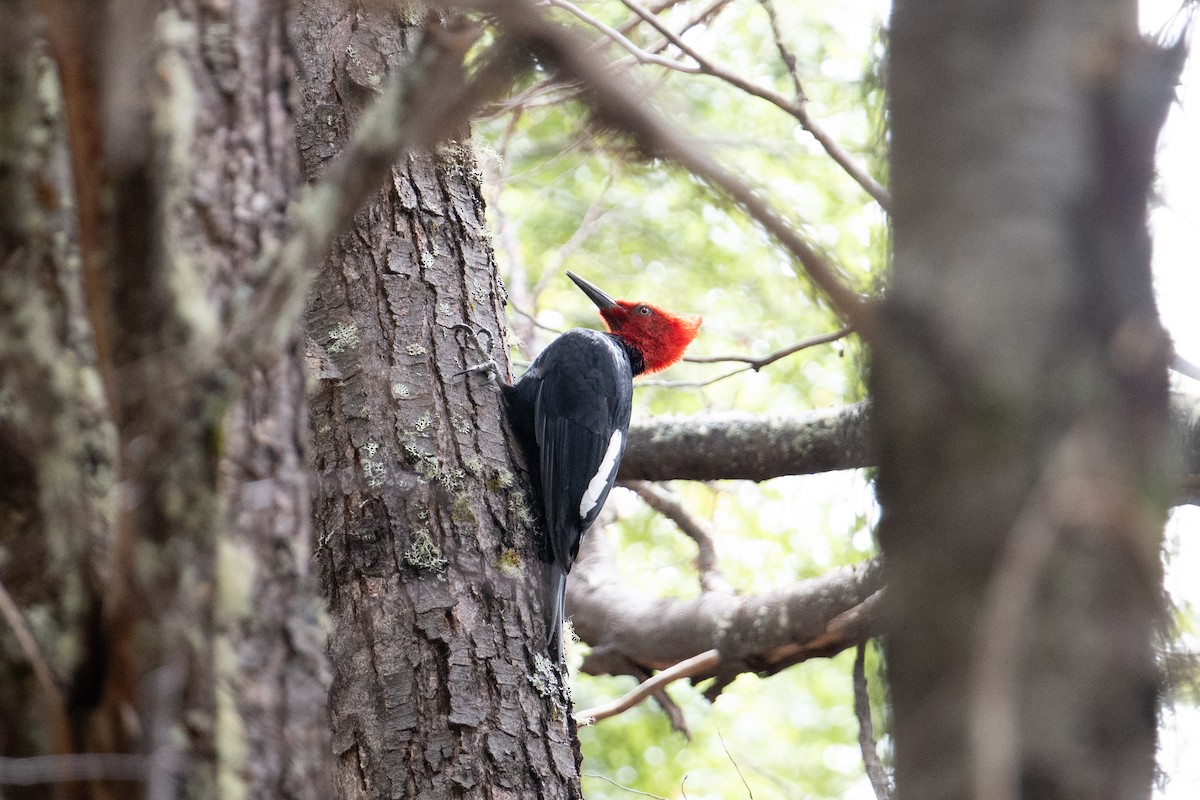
(599, 481)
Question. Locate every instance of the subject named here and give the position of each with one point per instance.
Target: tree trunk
(441, 686)
(186, 632)
(1021, 401)
(56, 447)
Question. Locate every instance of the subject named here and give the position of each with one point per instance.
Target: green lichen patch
(544, 678)
(343, 337)
(423, 554)
(374, 471)
(519, 508)
(461, 512)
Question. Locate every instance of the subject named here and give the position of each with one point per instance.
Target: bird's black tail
(554, 600)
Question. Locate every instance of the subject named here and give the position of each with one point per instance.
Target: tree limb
(746, 447)
(762, 633)
(690, 667)
(713, 447)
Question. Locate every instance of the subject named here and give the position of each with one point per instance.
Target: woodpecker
(570, 412)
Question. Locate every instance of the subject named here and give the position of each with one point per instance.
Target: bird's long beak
(598, 297)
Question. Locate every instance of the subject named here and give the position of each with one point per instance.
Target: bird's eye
(643, 310)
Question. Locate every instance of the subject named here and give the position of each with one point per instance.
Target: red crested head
(660, 336)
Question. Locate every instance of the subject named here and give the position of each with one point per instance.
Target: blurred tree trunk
(155, 499)
(1021, 393)
(56, 446)
(441, 685)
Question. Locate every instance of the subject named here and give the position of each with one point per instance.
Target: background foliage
(565, 197)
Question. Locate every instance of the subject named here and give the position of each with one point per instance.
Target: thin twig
(785, 53)
(587, 226)
(699, 384)
(757, 363)
(752, 364)
(638, 53)
(1008, 603)
(704, 16)
(55, 703)
(696, 665)
(866, 730)
(546, 93)
(729, 755)
(71, 32)
(622, 787)
(671, 507)
(628, 25)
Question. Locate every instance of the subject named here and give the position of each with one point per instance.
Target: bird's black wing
(581, 419)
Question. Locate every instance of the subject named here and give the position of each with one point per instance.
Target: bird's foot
(479, 339)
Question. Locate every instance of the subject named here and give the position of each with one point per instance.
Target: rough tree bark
(441, 683)
(1021, 398)
(200, 650)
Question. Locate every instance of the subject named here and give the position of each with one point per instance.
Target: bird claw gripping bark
(480, 339)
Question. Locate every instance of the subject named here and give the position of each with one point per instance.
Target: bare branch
(729, 755)
(671, 507)
(650, 383)
(71, 34)
(704, 663)
(617, 107)
(797, 108)
(704, 16)
(587, 226)
(757, 363)
(866, 730)
(752, 363)
(763, 633)
(609, 780)
(642, 56)
(746, 447)
(785, 53)
(657, 8)
(708, 447)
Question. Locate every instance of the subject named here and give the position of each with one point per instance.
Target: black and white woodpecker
(570, 413)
